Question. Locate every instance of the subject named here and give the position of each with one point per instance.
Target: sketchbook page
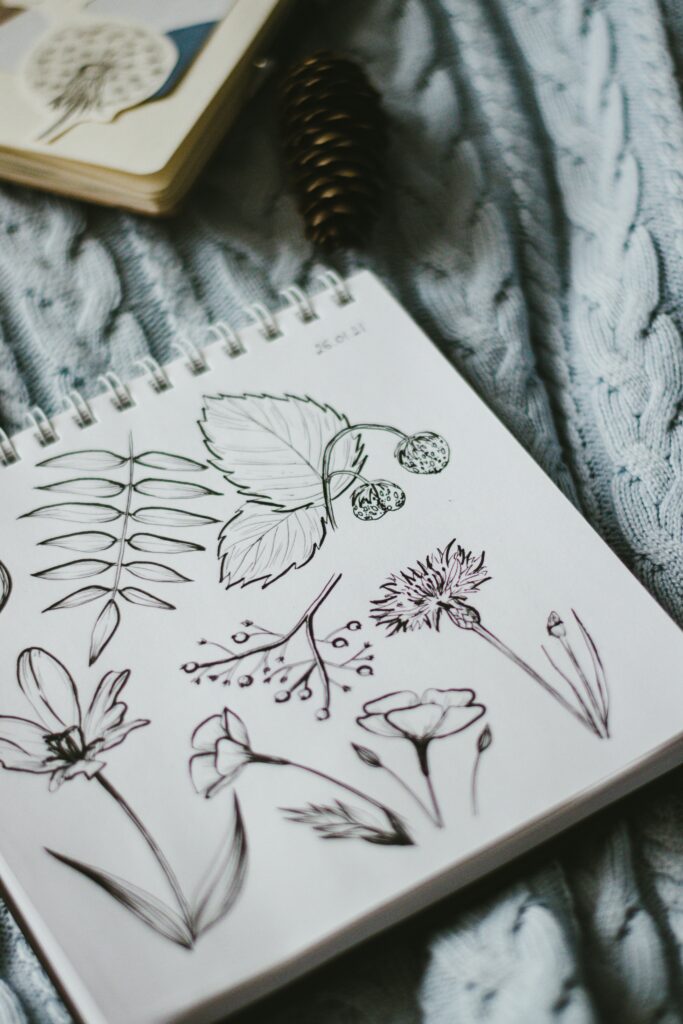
(264, 692)
(160, 66)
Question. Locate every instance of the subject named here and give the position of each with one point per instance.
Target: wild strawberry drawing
(292, 459)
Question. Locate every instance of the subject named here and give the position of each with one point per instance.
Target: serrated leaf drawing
(133, 480)
(141, 597)
(90, 461)
(78, 570)
(262, 543)
(155, 572)
(271, 449)
(95, 487)
(85, 543)
(292, 457)
(151, 543)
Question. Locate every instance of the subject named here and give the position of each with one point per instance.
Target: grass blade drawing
(439, 589)
(297, 661)
(292, 458)
(115, 571)
(63, 742)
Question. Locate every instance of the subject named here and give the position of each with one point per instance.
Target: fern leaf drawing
(114, 500)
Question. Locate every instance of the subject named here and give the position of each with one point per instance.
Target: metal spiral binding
(159, 380)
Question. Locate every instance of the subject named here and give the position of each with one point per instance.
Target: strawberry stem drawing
(90, 542)
(63, 743)
(440, 587)
(223, 750)
(292, 458)
(295, 661)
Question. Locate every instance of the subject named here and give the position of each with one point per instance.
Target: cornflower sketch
(441, 587)
(297, 661)
(119, 570)
(292, 459)
(63, 743)
(420, 720)
(223, 751)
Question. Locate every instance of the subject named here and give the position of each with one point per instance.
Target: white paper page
(509, 751)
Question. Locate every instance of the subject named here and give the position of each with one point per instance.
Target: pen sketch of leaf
(85, 543)
(262, 543)
(225, 878)
(142, 904)
(90, 69)
(5, 585)
(271, 450)
(126, 512)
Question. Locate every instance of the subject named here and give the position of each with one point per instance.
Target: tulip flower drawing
(440, 588)
(62, 742)
(223, 751)
(420, 720)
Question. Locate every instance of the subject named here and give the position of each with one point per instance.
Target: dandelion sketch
(440, 588)
(64, 743)
(127, 479)
(299, 661)
(293, 459)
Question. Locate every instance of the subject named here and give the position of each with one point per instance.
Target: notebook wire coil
(121, 397)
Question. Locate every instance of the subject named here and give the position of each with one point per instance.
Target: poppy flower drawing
(421, 720)
(223, 750)
(61, 741)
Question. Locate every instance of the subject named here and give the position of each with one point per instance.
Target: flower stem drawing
(296, 661)
(292, 458)
(420, 720)
(484, 741)
(223, 750)
(90, 542)
(63, 743)
(441, 586)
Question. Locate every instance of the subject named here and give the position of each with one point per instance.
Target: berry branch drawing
(439, 589)
(64, 744)
(293, 458)
(297, 661)
(134, 481)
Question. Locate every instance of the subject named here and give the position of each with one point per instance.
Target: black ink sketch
(63, 743)
(420, 720)
(298, 661)
(292, 458)
(124, 541)
(440, 586)
(484, 741)
(5, 585)
(223, 750)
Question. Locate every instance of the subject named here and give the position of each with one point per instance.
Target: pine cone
(333, 129)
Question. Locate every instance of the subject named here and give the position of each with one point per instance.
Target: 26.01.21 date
(328, 344)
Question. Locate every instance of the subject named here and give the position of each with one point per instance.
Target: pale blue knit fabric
(535, 227)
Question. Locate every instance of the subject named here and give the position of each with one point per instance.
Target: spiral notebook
(296, 640)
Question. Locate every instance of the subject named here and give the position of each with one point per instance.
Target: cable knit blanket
(535, 228)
